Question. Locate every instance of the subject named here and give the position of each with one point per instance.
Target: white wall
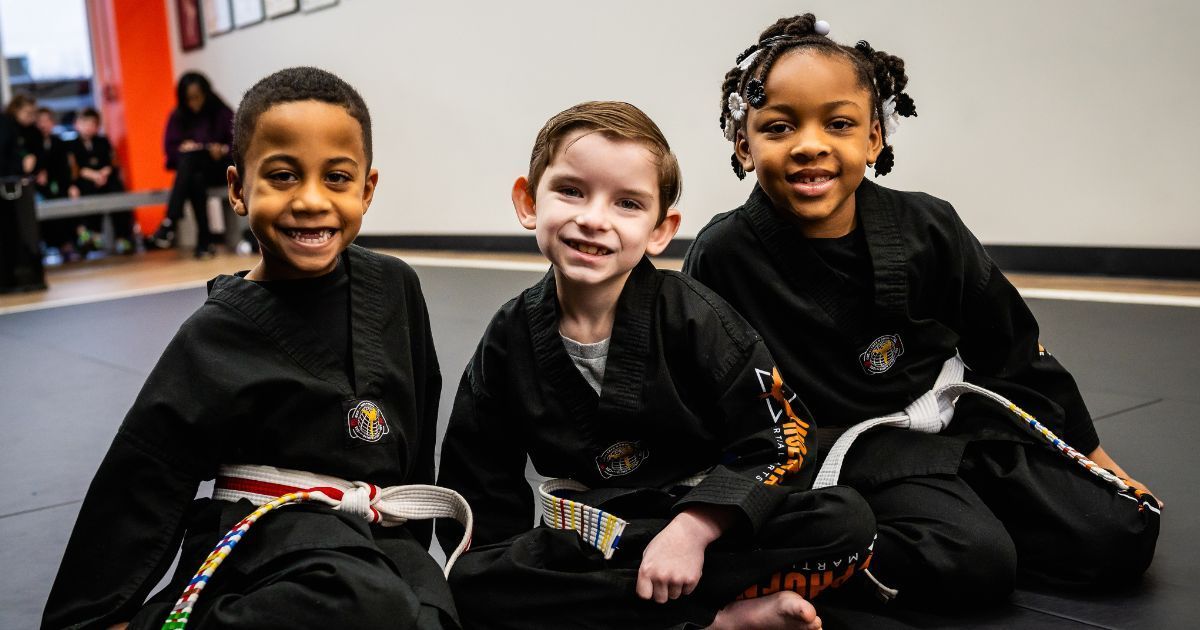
(1067, 123)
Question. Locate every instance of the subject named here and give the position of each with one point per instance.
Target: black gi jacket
(683, 393)
(245, 381)
(935, 289)
(97, 155)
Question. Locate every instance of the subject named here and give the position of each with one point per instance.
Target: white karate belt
(595, 526)
(933, 411)
(388, 507)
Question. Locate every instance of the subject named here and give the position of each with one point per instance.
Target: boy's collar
(622, 389)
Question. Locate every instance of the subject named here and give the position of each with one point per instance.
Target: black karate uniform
(52, 158)
(686, 390)
(861, 327)
(247, 381)
(98, 154)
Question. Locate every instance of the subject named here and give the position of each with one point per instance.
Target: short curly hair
(302, 83)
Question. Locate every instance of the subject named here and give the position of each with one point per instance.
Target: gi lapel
(624, 374)
(296, 338)
(366, 321)
(562, 379)
(621, 392)
(886, 244)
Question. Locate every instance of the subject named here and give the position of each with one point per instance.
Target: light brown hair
(614, 119)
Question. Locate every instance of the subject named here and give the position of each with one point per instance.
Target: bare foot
(784, 610)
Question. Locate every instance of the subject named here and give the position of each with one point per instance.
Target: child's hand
(1101, 457)
(674, 559)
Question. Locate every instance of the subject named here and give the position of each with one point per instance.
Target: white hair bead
(821, 27)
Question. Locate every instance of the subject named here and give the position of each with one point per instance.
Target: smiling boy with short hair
(312, 378)
(678, 450)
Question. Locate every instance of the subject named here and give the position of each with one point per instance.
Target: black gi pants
(1017, 513)
(549, 578)
(195, 174)
(306, 566)
(122, 220)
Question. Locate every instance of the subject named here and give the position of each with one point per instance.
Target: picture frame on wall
(191, 27)
(218, 17)
(247, 13)
(309, 6)
(280, 8)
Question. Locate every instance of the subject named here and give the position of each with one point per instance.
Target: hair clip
(730, 130)
(821, 27)
(744, 64)
(755, 93)
(891, 119)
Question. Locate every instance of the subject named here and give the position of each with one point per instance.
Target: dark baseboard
(491, 243)
(1145, 262)
(1177, 263)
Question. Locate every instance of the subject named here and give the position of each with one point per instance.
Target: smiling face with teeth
(596, 211)
(812, 140)
(306, 187)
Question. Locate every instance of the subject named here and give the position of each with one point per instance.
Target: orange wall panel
(136, 84)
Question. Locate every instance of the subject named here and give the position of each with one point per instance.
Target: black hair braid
(885, 161)
(797, 25)
(731, 84)
(888, 80)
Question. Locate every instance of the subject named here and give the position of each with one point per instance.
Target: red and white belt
(271, 488)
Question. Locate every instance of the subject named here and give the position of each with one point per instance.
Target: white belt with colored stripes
(595, 526)
(933, 411)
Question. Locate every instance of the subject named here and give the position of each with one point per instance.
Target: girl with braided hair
(882, 305)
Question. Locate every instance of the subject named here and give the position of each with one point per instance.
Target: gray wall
(1063, 123)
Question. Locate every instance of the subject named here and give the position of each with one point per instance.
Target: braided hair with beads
(881, 74)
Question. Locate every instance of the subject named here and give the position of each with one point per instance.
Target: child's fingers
(661, 592)
(644, 588)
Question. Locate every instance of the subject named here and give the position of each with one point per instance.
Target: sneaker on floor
(164, 236)
(206, 253)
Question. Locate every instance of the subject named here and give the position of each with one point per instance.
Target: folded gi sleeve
(768, 437)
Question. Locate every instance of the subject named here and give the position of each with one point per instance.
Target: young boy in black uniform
(315, 367)
(94, 171)
(868, 297)
(623, 382)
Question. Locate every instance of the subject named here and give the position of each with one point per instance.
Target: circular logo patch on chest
(366, 422)
(881, 355)
(621, 458)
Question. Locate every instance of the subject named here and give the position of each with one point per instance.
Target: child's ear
(664, 232)
(874, 143)
(741, 148)
(369, 188)
(237, 194)
(523, 203)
